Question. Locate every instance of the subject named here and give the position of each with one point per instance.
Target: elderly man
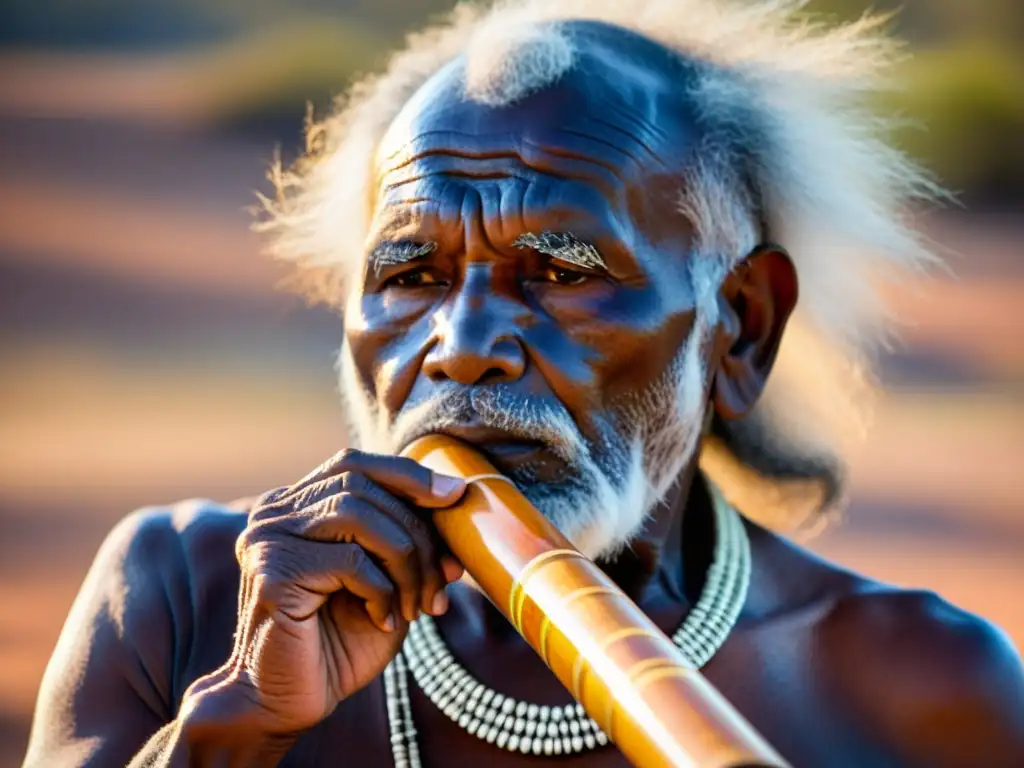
(570, 234)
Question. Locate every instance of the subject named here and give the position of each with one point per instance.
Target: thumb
(445, 490)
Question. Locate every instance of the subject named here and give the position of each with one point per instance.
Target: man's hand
(332, 571)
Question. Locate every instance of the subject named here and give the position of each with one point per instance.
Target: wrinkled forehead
(624, 103)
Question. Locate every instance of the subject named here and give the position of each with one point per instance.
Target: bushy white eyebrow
(389, 254)
(564, 246)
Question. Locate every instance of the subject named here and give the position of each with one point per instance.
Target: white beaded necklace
(519, 726)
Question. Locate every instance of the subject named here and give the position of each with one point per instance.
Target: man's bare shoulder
(193, 538)
(162, 578)
(946, 687)
(940, 685)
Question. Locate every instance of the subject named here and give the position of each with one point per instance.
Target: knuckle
(359, 565)
(356, 482)
(348, 457)
(336, 512)
(416, 527)
(245, 541)
(405, 550)
(346, 507)
(270, 506)
(253, 556)
(256, 533)
(353, 559)
(306, 496)
(268, 591)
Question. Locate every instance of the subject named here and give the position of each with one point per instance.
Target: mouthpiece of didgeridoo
(626, 673)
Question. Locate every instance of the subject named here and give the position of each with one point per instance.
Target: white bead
(577, 744)
(549, 747)
(542, 730)
(602, 739)
(497, 701)
(569, 710)
(473, 725)
(502, 739)
(538, 746)
(525, 744)
(513, 743)
(567, 746)
(508, 705)
(488, 695)
(557, 746)
(545, 712)
(556, 713)
(531, 711)
(521, 709)
(499, 721)
(574, 727)
(519, 725)
(531, 726)
(563, 727)
(492, 734)
(588, 739)
(489, 716)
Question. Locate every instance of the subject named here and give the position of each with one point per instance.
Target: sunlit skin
(831, 668)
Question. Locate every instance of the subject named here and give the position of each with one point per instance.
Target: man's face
(527, 288)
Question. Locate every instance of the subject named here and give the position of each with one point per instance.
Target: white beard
(614, 482)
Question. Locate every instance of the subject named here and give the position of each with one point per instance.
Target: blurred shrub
(274, 72)
(967, 109)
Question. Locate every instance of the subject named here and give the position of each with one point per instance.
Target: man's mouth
(505, 451)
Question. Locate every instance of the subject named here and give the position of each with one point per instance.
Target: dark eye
(414, 278)
(554, 273)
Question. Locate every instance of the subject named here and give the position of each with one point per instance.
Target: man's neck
(669, 560)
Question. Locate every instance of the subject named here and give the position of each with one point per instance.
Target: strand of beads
(710, 621)
(517, 726)
(404, 748)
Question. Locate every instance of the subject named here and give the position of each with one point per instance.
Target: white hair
(793, 150)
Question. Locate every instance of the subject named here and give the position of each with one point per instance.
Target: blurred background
(147, 357)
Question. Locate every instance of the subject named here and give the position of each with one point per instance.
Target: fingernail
(445, 485)
(440, 603)
(389, 623)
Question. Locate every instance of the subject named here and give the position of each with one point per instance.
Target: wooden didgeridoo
(626, 673)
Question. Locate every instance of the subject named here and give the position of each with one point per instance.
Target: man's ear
(757, 299)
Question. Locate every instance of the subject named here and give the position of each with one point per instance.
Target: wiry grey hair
(793, 151)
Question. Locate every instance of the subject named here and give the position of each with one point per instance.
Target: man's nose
(476, 343)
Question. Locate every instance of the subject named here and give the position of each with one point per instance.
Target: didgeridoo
(626, 673)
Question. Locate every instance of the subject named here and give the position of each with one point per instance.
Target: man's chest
(772, 681)
(779, 677)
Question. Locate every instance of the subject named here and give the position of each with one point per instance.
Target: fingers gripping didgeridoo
(626, 673)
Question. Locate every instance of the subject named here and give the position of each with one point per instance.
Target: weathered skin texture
(832, 668)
